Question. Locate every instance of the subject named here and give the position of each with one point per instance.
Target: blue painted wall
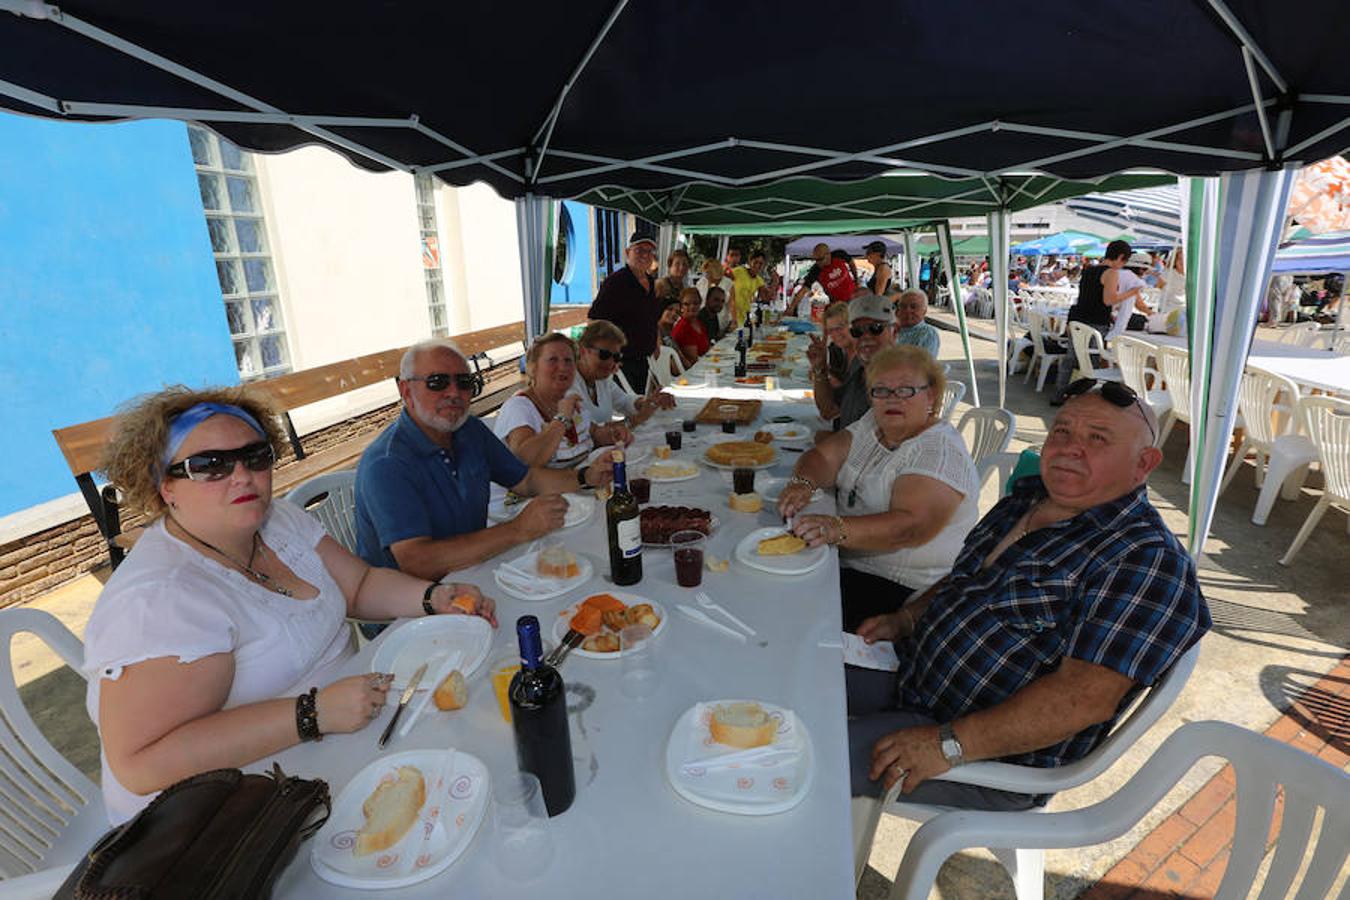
(107, 285)
(577, 286)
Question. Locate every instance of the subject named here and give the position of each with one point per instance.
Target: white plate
(788, 432)
(449, 818)
(750, 791)
(407, 645)
(553, 587)
(560, 622)
(796, 564)
(771, 488)
(712, 529)
(703, 457)
(672, 478)
(632, 455)
(580, 508)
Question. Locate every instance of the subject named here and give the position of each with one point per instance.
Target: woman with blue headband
(215, 643)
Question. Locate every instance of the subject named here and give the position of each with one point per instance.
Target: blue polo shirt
(407, 486)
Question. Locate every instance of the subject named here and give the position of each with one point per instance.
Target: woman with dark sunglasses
(215, 643)
(906, 488)
(601, 346)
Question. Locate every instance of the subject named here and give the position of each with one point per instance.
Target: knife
(403, 702)
(702, 618)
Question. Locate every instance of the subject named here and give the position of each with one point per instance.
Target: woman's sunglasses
(606, 355)
(439, 381)
(213, 465)
(1113, 392)
(875, 329)
(904, 391)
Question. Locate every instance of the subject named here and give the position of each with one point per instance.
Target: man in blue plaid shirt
(1068, 598)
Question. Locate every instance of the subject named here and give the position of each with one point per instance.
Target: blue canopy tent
(1064, 243)
(1313, 255)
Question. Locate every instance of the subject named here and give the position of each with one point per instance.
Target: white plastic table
(628, 834)
(1307, 366)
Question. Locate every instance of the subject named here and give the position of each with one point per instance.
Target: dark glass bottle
(749, 330)
(539, 717)
(625, 528)
(740, 353)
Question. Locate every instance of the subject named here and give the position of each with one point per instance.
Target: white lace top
(168, 600)
(867, 477)
(520, 410)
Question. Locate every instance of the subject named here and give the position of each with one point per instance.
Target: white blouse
(609, 400)
(869, 473)
(520, 410)
(168, 600)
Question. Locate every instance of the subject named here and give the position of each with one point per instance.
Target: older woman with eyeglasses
(906, 488)
(216, 642)
(601, 347)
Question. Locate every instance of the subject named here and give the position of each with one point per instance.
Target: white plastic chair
(52, 814)
(331, 498)
(1132, 357)
(1039, 355)
(1290, 456)
(1025, 860)
(1304, 334)
(1085, 339)
(1266, 402)
(1262, 767)
(622, 380)
(1019, 333)
(659, 368)
(991, 432)
(952, 393)
(1326, 420)
(1176, 369)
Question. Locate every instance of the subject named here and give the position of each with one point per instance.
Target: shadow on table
(56, 703)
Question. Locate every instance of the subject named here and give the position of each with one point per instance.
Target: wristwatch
(951, 747)
(581, 475)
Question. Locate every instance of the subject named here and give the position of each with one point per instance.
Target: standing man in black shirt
(1098, 292)
(628, 299)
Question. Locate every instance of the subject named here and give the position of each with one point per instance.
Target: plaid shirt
(1111, 586)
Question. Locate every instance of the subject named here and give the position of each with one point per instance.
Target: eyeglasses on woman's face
(213, 465)
(903, 391)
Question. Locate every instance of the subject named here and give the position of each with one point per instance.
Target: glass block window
(234, 220)
(425, 187)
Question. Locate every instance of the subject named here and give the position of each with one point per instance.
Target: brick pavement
(1185, 856)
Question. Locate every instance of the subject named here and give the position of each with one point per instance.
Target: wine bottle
(625, 528)
(749, 330)
(539, 718)
(740, 353)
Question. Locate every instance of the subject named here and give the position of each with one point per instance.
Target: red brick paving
(1186, 854)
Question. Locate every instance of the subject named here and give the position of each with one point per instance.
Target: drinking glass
(641, 488)
(504, 666)
(674, 440)
(728, 426)
(743, 480)
(523, 845)
(638, 674)
(687, 548)
(689, 425)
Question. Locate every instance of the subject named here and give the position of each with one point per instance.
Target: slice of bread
(391, 810)
(557, 561)
(742, 724)
(781, 545)
(452, 693)
(749, 503)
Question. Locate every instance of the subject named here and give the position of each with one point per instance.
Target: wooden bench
(82, 444)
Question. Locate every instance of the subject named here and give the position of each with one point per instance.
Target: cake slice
(784, 544)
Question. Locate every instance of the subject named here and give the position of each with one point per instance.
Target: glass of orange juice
(504, 667)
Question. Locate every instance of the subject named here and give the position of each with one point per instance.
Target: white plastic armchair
(1085, 339)
(1024, 859)
(1268, 403)
(659, 368)
(952, 394)
(1039, 331)
(331, 498)
(991, 432)
(1262, 767)
(52, 812)
(1326, 420)
(1132, 357)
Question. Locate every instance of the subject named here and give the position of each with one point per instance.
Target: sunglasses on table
(1113, 392)
(875, 329)
(439, 381)
(904, 391)
(213, 465)
(606, 355)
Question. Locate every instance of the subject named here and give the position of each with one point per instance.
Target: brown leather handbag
(220, 834)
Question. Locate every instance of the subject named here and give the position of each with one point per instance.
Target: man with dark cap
(627, 298)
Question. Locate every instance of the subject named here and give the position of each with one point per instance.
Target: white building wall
(488, 256)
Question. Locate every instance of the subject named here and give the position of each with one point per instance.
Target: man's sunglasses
(213, 465)
(875, 329)
(606, 355)
(1115, 393)
(438, 381)
(904, 391)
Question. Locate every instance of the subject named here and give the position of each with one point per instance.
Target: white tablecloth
(1307, 366)
(628, 834)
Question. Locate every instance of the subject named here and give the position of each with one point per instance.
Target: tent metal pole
(997, 225)
(534, 234)
(911, 261)
(1324, 133)
(1248, 44)
(944, 236)
(1256, 96)
(665, 242)
(1133, 140)
(32, 98)
(485, 160)
(473, 157)
(610, 164)
(723, 245)
(1324, 98)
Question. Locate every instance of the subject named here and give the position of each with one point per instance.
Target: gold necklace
(1026, 518)
(261, 578)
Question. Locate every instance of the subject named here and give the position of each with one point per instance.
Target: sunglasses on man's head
(904, 391)
(1113, 392)
(606, 355)
(439, 381)
(213, 465)
(875, 329)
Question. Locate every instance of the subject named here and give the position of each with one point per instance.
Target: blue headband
(183, 423)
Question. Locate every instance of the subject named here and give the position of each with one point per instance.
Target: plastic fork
(709, 603)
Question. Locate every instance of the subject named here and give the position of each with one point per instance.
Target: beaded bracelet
(307, 716)
(843, 530)
(801, 479)
(426, 599)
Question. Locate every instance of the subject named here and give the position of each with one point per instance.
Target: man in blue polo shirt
(422, 486)
(1068, 598)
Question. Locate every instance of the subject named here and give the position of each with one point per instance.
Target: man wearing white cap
(872, 325)
(628, 299)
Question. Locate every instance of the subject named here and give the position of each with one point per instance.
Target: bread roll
(742, 725)
(748, 503)
(557, 561)
(390, 811)
(453, 692)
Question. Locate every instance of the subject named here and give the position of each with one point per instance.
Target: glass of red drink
(687, 547)
(641, 488)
